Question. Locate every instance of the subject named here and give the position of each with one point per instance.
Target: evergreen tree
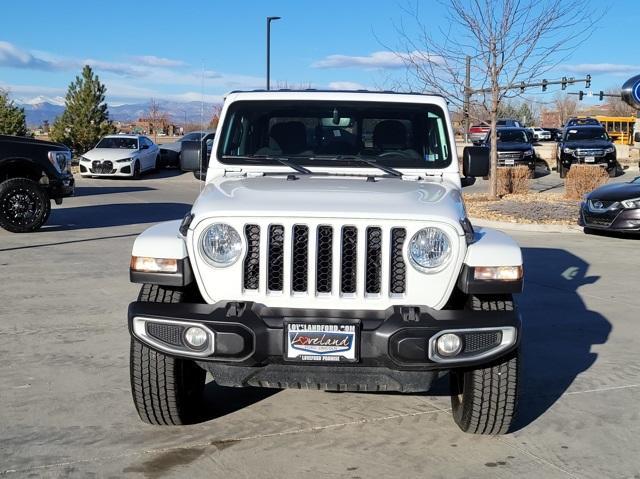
(86, 117)
(12, 119)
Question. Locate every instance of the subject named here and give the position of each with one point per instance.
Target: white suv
(329, 249)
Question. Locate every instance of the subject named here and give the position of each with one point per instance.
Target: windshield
(512, 136)
(587, 134)
(121, 143)
(193, 136)
(340, 133)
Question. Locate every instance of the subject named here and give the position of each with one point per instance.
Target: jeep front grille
(317, 246)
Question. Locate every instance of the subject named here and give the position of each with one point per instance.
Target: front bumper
(61, 187)
(108, 169)
(607, 161)
(622, 220)
(395, 345)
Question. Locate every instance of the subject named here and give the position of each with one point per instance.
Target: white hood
(109, 154)
(330, 196)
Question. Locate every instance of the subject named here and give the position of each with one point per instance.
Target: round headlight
(429, 248)
(221, 245)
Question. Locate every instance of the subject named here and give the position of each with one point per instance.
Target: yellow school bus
(619, 128)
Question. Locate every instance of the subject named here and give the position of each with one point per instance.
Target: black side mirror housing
(200, 175)
(467, 181)
(193, 156)
(475, 161)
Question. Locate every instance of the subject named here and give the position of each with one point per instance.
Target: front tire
(136, 171)
(165, 390)
(484, 399)
(24, 206)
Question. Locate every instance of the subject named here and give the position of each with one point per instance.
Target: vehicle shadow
(108, 190)
(115, 214)
(223, 400)
(558, 329)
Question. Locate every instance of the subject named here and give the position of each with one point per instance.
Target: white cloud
(12, 56)
(386, 60)
(346, 85)
(154, 61)
(602, 68)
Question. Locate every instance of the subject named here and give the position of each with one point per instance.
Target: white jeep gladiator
(329, 249)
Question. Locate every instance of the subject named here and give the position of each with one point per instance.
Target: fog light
(449, 344)
(196, 337)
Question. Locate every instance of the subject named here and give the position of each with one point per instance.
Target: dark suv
(32, 172)
(514, 148)
(587, 144)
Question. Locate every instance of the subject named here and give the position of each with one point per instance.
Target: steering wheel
(403, 153)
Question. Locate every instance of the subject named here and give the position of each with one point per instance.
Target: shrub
(582, 179)
(513, 179)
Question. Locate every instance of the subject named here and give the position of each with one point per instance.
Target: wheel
(613, 172)
(484, 399)
(561, 170)
(165, 390)
(24, 206)
(156, 164)
(136, 171)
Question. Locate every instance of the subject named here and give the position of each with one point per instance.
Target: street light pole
(269, 20)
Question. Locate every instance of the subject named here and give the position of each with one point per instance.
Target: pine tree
(12, 119)
(86, 117)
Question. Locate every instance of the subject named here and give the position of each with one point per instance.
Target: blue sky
(161, 50)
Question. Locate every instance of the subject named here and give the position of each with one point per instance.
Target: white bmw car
(120, 155)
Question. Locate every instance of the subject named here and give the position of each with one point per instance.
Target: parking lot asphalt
(66, 411)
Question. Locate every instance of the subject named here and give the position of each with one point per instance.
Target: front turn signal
(145, 264)
(498, 273)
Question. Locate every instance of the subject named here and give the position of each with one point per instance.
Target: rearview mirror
(475, 161)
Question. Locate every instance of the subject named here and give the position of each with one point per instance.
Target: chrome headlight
(220, 245)
(568, 151)
(429, 249)
(632, 203)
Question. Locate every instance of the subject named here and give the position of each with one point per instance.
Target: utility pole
(269, 20)
(467, 98)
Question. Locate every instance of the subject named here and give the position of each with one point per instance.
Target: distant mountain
(39, 109)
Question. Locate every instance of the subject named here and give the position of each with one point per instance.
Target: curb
(531, 227)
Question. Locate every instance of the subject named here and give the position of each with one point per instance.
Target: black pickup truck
(32, 173)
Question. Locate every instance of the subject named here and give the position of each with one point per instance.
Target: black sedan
(612, 207)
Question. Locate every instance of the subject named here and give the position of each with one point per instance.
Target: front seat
(390, 135)
(290, 137)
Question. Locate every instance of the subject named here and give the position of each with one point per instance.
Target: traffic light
(564, 83)
(587, 83)
(580, 95)
(601, 95)
(522, 87)
(544, 85)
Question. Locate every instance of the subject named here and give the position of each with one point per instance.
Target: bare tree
(566, 107)
(156, 117)
(215, 116)
(616, 107)
(508, 42)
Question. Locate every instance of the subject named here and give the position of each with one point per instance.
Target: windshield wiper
(370, 162)
(280, 159)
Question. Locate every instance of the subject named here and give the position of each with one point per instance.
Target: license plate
(321, 342)
(509, 162)
(589, 159)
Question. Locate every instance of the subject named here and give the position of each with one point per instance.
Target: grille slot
(349, 259)
(167, 333)
(275, 274)
(374, 260)
(252, 259)
(324, 259)
(398, 267)
(300, 258)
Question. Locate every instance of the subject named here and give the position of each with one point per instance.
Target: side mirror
(475, 161)
(193, 156)
(476, 142)
(467, 181)
(200, 175)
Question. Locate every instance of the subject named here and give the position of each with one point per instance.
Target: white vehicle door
(147, 153)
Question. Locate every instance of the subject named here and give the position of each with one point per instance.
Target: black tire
(166, 390)
(24, 206)
(613, 172)
(136, 171)
(484, 400)
(156, 165)
(561, 170)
